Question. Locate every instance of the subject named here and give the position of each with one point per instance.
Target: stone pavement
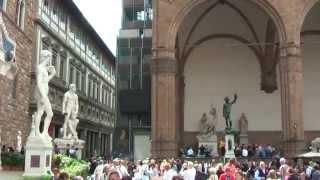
(11, 175)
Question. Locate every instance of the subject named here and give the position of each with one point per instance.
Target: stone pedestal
(243, 138)
(209, 142)
(64, 144)
(229, 144)
(38, 157)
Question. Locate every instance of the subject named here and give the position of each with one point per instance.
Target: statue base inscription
(38, 157)
(229, 146)
(209, 142)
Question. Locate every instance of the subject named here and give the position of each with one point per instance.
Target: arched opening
(226, 47)
(310, 37)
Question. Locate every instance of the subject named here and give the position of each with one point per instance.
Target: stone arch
(308, 7)
(263, 4)
(220, 36)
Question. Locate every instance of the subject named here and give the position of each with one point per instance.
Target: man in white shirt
(190, 173)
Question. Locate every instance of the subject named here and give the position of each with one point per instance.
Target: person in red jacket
(227, 175)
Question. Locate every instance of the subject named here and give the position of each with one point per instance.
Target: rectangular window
(98, 93)
(54, 57)
(71, 74)
(46, 6)
(83, 82)
(78, 85)
(54, 15)
(62, 20)
(94, 90)
(62, 66)
(89, 88)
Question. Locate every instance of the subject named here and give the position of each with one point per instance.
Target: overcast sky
(105, 17)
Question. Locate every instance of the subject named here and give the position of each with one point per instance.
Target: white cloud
(105, 17)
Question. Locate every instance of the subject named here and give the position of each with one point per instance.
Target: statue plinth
(38, 157)
(209, 141)
(229, 143)
(64, 144)
(243, 138)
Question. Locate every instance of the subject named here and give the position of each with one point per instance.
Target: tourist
(283, 168)
(56, 173)
(213, 174)
(98, 172)
(291, 175)
(220, 169)
(231, 165)
(114, 175)
(261, 172)
(63, 176)
(189, 173)
(227, 175)
(169, 172)
(199, 174)
(272, 175)
(316, 173)
(244, 152)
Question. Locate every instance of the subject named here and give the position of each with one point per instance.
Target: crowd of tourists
(175, 169)
(243, 150)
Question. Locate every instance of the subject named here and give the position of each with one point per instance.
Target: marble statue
(8, 66)
(206, 126)
(70, 108)
(227, 110)
(44, 73)
(243, 124)
(19, 143)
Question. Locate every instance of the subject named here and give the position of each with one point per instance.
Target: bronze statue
(227, 110)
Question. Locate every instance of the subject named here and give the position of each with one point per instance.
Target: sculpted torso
(71, 103)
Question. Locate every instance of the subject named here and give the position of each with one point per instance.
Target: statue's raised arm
(234, 99)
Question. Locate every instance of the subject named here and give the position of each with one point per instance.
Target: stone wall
(15, 94)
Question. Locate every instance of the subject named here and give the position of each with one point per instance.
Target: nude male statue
(227, 110)
(70, 108)
(44, 73)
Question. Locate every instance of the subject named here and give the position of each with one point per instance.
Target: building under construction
(132, 135)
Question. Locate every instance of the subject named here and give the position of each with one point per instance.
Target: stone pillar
(165, 130)
(291, 99)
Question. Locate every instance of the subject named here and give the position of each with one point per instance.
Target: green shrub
(73, 167)
(12, 159)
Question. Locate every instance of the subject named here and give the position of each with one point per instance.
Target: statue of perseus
(70, 108)
(227, 110)
(44, 73)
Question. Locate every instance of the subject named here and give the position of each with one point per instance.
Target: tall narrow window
(63, 59)
(20, 13)
(71, 79)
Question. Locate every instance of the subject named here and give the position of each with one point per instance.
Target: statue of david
(44, 73)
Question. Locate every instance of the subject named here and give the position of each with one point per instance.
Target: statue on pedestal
(44, 73)
(70, 108)
(243, 124)
(19, 144)
(227, 110)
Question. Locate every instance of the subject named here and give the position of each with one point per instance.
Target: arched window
(20, 13)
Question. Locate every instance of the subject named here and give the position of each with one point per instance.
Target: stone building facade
(281, 36)
(17, 29)
(80, 57)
